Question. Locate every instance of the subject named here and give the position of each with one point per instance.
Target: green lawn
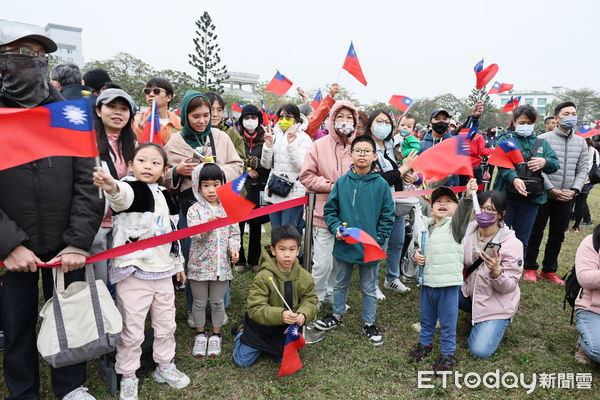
(346, 366)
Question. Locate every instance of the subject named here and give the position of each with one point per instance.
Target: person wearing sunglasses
(161, 91)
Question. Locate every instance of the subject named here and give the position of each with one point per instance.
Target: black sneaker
(237, 327)
(443, 363)
(373, 334)
(328, 322)
(420, 352)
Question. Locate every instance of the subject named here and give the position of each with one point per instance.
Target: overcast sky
(416, 48)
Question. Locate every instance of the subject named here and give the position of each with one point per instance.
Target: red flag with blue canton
(352, 65)
(237, 107)
(506, 154)
(586, 131)
(266, 117)
(511, 104)
(484, 75)
(64, 128)
(450, 156)
(500, 87)
(294, 341)
(236, 207)
(279, 84)
(472, 131)
(317, 100)
(402, 103)
(146, 136)
(373, 251)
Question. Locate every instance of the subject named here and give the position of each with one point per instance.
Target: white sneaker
(200, 343)
(417, 326)
(79, 394)
(214, 345)
(396, 285)
(129, 388)
(380, 295)
(190, 320)
(171, 375)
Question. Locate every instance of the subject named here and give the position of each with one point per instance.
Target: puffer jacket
(572, 153)
(587, 261)
(48, 204)
(326, 161)
(494, 298)
(285, 158)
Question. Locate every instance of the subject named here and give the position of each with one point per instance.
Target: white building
(535, 98)
(241, 84)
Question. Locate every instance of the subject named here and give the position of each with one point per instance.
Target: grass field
(346, 366)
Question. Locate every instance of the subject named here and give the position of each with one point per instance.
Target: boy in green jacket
(267, 317)
(363, 199)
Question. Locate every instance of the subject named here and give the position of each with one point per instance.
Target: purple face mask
(485, 219)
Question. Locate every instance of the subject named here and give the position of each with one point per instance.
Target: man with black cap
(49, 213)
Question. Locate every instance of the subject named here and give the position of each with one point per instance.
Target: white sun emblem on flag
(295, 331)
(75, 115)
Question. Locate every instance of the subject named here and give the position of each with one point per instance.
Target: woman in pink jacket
(587, 305)
(326, 160)
(490, 291)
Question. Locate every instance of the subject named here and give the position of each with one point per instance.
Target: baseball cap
(109, 95)
(437, 111)
(11, 32)
(441, 191)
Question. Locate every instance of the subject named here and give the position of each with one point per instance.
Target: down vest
(572, 153)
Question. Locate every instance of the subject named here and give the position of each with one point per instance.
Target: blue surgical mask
(568, 122)
(524, 130)
(381, 131)
(404, 132)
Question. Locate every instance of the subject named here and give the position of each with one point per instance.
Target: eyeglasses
(366, 152)
(490, 210)
(156, 91)
(25, 51)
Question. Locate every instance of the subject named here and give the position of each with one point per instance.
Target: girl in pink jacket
(490, 291)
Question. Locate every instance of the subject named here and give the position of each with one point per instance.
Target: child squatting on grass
(143, 209)
(442, 273)
(211, 255)
(267, 318)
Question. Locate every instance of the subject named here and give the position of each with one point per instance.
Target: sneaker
(580, 355)
(380, 295)
(587, 223)
(129, 388)
(416, 327)
(373, 334)
(530, 275)
(420, 352)
(396, 285)
(551, 276)
(443, 363)
(190, 320)
(328, 322)
(237, 327)
(240, 268)
(200, 344)
(79, 394)
(576, 230)
(214, 345)
(225, 319)
(171, 375)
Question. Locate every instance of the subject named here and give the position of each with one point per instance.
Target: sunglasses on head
(156, 91)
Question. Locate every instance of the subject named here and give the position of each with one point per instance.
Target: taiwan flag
(506, 154)
(500, 87)
(279, 84)
(587, 131)
(317, 100)
(511, 104)
(294, 341)
(237, 107)
(152, 137)
(352, 65)
(451, 156)
(484, 75)
(402, 103)
(236, 207)
(373, 251)
(472, 131)
(64, 128)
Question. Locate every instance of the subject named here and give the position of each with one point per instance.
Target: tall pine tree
(206, 60)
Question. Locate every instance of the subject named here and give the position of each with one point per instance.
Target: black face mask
(440, 127)
(25, 79)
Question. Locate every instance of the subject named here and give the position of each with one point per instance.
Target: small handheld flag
(152, 127)
(511, 104)
(352, 65)
(586, 131)
(500, 87)
(402, 103)
(484, 75)
(317, 100)
(237, 107)
(373, 251)
(472, 131)
(422, 267)
(235, 205)
(451, 156)
(290, 361)
(506, 154)
(279, 84)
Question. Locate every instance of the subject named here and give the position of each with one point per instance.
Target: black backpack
(572, 287)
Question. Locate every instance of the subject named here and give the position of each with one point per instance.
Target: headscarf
(191, 137)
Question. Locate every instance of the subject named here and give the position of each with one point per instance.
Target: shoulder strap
(473, 267)
(212, 145)
(536, 146)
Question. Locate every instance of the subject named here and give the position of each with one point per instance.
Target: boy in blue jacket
(361, 198)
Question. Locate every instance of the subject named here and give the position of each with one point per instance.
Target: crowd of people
(353, 162)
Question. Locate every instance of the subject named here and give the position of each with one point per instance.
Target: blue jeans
(291, 216)
(368, 284)
(588, 325)
(393, 246)
(243, 355)
(520, 216)
(485, 336)
(439, 303)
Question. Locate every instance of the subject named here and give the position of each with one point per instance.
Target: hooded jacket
(263, 323)
(362, 201)
(327, 159)
(572, 153)
(494, 298)
(587, 262)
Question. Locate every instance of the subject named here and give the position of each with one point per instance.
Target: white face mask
(250, 124)
(524, 130)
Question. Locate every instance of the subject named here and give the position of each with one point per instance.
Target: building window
(541, 110)
(541, 102)
(529, 100)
